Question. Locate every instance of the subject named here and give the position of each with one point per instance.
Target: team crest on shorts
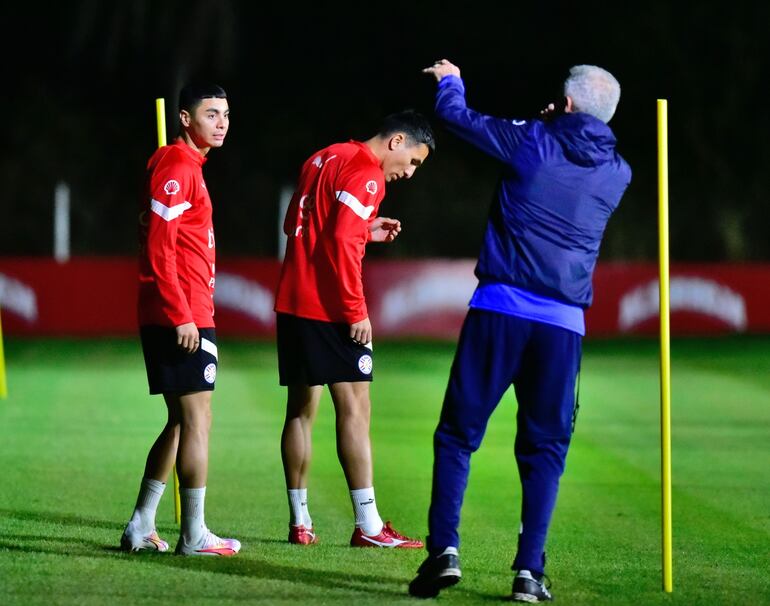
(365, 364)
(210, 373)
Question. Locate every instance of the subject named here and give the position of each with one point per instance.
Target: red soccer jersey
(176, 257)
(327, 223)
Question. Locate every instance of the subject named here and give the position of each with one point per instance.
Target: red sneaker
(301, 535)
(387, 538)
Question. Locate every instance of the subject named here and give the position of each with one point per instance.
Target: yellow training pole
(160, 112)
(665, 343)
(3, 383)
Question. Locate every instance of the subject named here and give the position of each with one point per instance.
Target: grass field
(77, 425)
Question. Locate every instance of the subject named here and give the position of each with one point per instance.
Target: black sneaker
(528, 588)
(435, 574)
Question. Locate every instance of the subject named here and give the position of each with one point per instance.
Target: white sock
(365, 507)
(298, 512)
(193, 524)
(150, 493)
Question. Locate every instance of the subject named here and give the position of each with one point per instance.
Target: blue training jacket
(561, 182)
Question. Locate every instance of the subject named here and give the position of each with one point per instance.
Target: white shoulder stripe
(353, 204)
(169, 213)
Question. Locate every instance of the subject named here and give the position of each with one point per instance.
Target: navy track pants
(542, 362)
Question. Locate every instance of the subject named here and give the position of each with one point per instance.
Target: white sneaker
(135, 540)
(209, 545)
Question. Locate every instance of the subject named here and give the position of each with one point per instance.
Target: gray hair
(593, 91)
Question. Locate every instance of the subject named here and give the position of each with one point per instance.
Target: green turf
(76, 427)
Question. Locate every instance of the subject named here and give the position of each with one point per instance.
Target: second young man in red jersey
(323, 329)
(176, 309)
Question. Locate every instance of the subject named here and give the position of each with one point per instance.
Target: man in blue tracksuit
(562, 179)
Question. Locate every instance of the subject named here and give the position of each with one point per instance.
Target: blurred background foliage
(81, 78)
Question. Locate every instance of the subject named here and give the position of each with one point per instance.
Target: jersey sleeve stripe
(354, 204)
(169, 213)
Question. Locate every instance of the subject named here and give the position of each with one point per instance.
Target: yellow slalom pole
(3, 382)
(160, 113)
(665, 345)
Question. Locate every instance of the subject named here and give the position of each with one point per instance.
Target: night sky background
(80, 79)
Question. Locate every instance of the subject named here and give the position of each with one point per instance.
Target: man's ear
(395, 141)
(185, 118)
(568, 105)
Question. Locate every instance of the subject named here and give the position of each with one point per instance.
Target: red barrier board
(705, 299)
(421, 298)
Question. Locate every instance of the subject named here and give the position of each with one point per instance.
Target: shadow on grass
(237, 566)
(50, 517)
(245, 565)
(20, 542)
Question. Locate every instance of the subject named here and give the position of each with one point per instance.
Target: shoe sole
(388, 546)
(449, 578)
(527, 597)
(128, 547)
(206, 553)
(367, 542)
(313, 541)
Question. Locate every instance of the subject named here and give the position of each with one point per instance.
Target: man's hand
(361, 332)
(442, 68)
(384, 229)
(551, 111)
(187, 337)
(562, 106)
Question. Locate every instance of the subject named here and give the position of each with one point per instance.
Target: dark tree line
(82, 76)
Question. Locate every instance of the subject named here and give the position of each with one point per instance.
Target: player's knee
(197, 420)
(457, 437)
(354, 418)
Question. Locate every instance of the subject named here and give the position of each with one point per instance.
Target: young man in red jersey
(323, 329)
(176, 309)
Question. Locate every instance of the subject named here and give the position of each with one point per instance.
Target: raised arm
(497, 137)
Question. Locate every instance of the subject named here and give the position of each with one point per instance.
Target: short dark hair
(414, 125)
(192, 94)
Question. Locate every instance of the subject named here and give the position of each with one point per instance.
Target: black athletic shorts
(314, 352)
(170, 369)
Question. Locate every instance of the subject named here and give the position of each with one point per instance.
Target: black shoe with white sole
(436, 573)
(531, 589)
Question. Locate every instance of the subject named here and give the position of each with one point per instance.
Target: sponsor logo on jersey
(210, 373)
(171, 187)
(371, 187)
(365, 364)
